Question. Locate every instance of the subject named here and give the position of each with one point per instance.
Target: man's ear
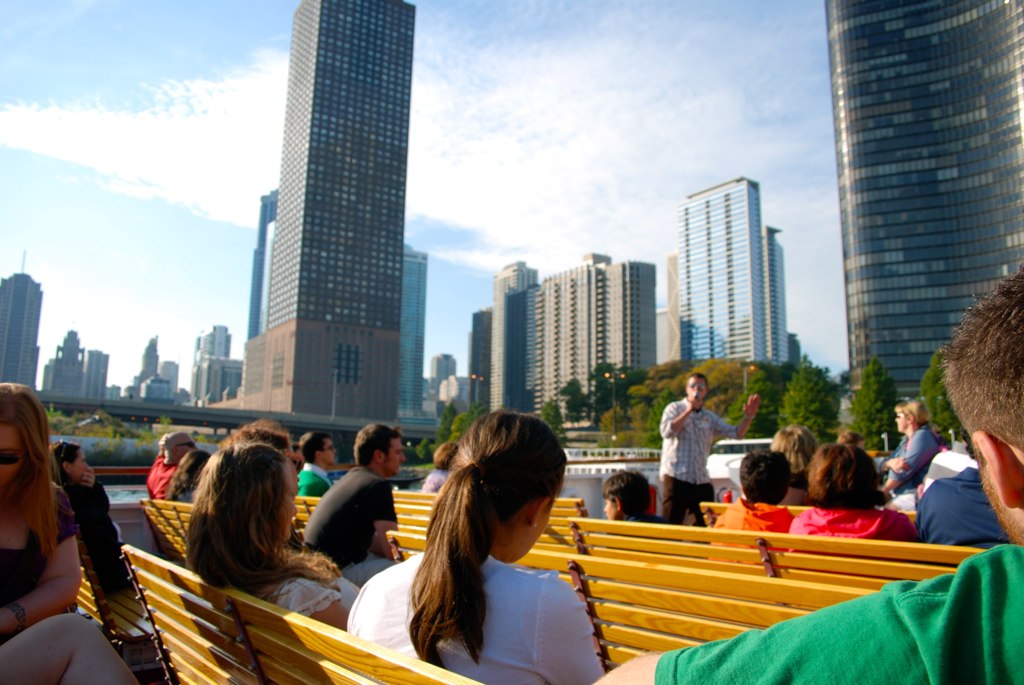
(1005, 466)
(618, 505)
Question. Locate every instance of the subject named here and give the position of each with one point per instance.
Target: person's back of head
(764, 476)
(843, 477)
(630, 491)
(444, 454)
(64, 452)
(265, 431)
(506, 462)
(311, 443)
(372, 438)
(798, 444)
(186, 477)
(984, 377)
(852, 438)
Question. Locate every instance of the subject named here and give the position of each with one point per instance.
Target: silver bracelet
(19, 616)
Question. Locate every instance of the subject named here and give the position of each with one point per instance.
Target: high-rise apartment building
(150, 369)
(21, 301)
(332, 338)
(730, 273)
(95, 383)
(65, 373)
(511, 334)
(596, 313)
(480, 358)
(169, 371)
(268, 214)
(673, 342)
(930, 161)
(215, 376)
(414, 324)
(441, 367)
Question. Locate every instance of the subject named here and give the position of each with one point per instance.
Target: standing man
(173, 446)
(351, 521)
(687, 431)
(318, 454)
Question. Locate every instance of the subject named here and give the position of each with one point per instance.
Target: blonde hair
(230, 539)
(31, 491)
(916, 409)
(798, 444)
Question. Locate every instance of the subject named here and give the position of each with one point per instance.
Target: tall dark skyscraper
(268, 214)
(927, 104)
(480, 358)
(332, 338)
(21, 301)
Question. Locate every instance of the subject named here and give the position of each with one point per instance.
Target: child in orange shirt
(764, 479)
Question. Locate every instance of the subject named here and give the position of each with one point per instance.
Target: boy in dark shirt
(627, 497)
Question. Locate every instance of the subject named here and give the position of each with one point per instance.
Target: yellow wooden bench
(563, 506)
(169, 523)
(120, 614)
(842, 561)
(636, 607)
(712, 510)
(221, 635)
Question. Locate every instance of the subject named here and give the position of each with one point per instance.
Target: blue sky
(137, 138)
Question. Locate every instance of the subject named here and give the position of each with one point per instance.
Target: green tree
(873, 405)
(444, 427)
(577, 404)
(551, 414)
(424, 450)
(811, 399)
(766, 422)
(652, 432)
(462, 422)
(933, 392)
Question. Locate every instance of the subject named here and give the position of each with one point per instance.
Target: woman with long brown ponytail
(462, 604)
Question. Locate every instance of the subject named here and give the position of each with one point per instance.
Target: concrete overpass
(222, 420)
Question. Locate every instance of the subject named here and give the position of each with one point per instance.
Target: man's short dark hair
(700, 376)
(764, 476)
(374, 437)
(632, 491)
(311, 443)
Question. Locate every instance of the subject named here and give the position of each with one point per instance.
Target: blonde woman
(241, 522)
(798, 444)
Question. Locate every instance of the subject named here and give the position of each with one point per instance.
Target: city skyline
(638, 107)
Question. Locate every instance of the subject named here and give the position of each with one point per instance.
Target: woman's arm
(55, 591)
(921, 448)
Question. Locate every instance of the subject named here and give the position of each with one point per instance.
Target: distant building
(511, 355)
(597, 313)
(673, 349)
(65, 373)
(795, 353)
(213, 343)
(215, 376)
(169, 370)
(334, 306)
(661, 325)
(927, 108)
(150, 368)
(441, 367)
(21, 301)
(730, 274)
(480, 358)
(113, 392)
(453, 389)
(414, 324)
(95, 384)
(156, 389)
(268, 213)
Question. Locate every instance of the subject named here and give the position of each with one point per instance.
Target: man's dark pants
(679, 497)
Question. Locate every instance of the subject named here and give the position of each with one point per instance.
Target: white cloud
(209, 145)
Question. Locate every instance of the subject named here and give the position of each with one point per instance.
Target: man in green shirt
(318, 454)
(967, 627)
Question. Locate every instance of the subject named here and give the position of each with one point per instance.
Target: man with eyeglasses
(173, 446)
(687, 431)
(318, 454)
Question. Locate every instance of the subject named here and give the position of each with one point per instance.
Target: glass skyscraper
(21, 302)
(414, 323)
(927, 104)
(333, 329)
(257, 306)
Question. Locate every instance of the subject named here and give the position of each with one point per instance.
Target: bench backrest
(169, 522)
(209, 634)
(713, 510)
(844, 561)
(563, 507)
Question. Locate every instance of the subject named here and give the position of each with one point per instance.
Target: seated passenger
(238, 535)
(906, 467)
(186, 477)
(842, 486)
(92, 514)
(851, 438)
(798, 444)
(955, 511)
(39, 570)
(764, 480)
(443, 456)
(627, 497)
(318, 453)
(464, 604)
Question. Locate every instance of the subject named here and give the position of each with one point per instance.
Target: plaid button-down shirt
(684, 455)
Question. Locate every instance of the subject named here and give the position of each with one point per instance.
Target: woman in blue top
(906, 468)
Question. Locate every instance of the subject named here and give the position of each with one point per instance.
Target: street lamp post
(750, 367)
(615, 409)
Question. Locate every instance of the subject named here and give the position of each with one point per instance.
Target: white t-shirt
(536, 630)
(306, 597)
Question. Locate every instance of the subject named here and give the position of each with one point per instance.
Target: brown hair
(265, 431)
(505, 460)
(230, 539)
(850, 437)
(186, 476)
(798, 444)
(843, 477)
(371, 438)
(31, 491)
(983, 364)
(444, 455)
(64, 453)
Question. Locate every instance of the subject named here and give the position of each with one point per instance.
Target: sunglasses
(8, 458)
